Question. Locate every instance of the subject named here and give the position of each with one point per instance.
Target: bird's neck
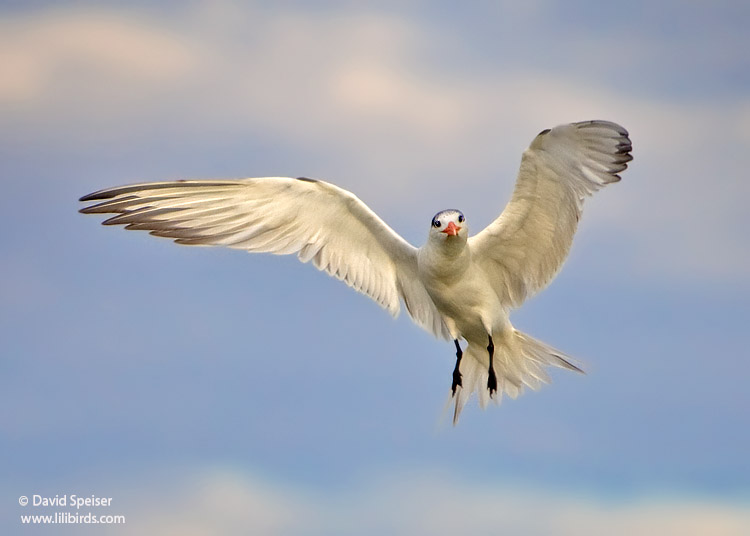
(445, 258)
(452, 248)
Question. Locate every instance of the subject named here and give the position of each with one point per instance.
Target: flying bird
(457, 287)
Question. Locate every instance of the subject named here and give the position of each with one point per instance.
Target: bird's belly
(469, 307)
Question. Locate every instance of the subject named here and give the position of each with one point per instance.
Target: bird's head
(449, 226)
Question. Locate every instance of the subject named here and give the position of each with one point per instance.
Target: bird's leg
(492, 379)
(456, 374)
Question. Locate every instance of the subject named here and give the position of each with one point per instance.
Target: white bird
(455, 286)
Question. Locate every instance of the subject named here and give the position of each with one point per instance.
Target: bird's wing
(522, 250)
(314, 219)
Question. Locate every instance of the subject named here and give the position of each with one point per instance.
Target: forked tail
(519, 362)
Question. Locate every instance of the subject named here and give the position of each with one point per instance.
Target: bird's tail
(519, 362)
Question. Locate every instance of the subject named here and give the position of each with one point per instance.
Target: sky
(208, 391)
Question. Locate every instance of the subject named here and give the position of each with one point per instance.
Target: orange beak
(452, 229)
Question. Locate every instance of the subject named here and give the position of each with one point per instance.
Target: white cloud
(356, 89)
(219, 503)
(227, 502)
(40, 55)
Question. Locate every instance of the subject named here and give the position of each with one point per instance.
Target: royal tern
(455, 286)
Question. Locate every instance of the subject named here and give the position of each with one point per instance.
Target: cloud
(222, 501)
(362, 90)
(42, 55)
(219, 503)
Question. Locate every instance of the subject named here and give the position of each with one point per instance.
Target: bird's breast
(461, 293)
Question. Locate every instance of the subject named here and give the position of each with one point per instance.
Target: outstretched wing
(525, 246)
(314, 219)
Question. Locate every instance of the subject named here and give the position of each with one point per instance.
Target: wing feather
(526, 245)
(318, 221)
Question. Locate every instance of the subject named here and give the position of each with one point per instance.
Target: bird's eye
(460, 218)
(436, 223)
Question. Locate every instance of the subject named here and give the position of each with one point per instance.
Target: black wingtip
(570, 366)
(99, 195)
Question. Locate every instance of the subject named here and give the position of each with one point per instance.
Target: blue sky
(210, 392)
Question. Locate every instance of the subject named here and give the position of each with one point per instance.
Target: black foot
(456, 380)
(491, 379)
(492, 382)
(456, 374)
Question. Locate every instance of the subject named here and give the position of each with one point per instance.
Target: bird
(457, 287)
